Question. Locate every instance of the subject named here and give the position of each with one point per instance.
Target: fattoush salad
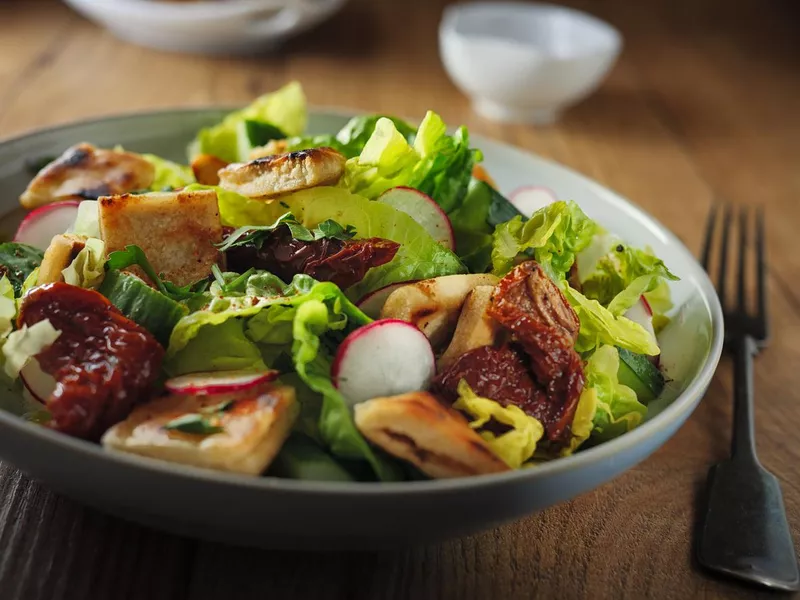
(358, 306)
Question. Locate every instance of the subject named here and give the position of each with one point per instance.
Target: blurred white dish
(221, 27)
(524, 62)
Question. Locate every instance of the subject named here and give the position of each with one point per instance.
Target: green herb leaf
(331, 229)
(193, 423)
(257, 234)
(299, 232)
(135, 256)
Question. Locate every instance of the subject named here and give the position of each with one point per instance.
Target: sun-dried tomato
(345, 263)
(103, 363)
(530, 305)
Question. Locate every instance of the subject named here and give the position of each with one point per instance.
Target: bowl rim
(194, 11)
(612, 44)
(678, 409)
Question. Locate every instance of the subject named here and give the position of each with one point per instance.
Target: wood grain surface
(702, 106)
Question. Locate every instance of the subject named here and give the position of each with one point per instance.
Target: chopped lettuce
(515, 446)
(554, 234)
(169, 175)
(219, 347)
(87, 270)
(25, 343)
(284, 109)
(8, 307)
(419, 256)
(599, 326)
(437, 164)
(622, 275)
(615, 406)
(87, 221)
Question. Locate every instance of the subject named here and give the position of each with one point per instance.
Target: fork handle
(743, 443)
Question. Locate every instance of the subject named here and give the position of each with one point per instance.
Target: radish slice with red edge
(424, 210)
(529, 199)
(40, 225)
(41, 385)
(218, 382)
(372, 303)
(385, 358)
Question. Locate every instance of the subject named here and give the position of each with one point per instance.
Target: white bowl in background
(229, 27)
(525, 62)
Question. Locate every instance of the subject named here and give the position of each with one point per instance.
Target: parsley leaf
(258, 234)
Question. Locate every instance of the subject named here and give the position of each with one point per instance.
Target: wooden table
(702, 106)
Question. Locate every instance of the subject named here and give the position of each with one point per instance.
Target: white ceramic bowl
(210, 27)
(283, 513)
(525, 62)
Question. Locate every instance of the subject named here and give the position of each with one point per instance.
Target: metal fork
(743, 530)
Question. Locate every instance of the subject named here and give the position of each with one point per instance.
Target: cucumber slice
(142, 304)
(639, 374)
(251, 134)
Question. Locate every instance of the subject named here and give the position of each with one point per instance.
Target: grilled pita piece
(416, 427)
(206, 169)
(433, 305)
(253, 429)
(284, 173)
(475, 327)
(84, 171)
(63, 249)
(176, 230)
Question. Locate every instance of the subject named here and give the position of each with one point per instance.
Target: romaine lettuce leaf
(87, 269)
(437, 164)
(555, 234)
(515, 446)
(87, 221)
(284, 108)
(169, 175)
(599, 326)
(25, 343)
(624, 274)
(217, 347)
(419, 257)
(616, 408)
(8, 307)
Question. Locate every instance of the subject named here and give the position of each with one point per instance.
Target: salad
(358, 306)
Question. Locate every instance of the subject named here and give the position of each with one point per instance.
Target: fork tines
(741, 317)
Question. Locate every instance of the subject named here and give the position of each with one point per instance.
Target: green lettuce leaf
(616, 408)
(437, 164)
(87, 269)
(624, 274)
(599, 326)
(8, 307)
(25, 343)
(515, 446)
(218, 347)
(169, 175)
(284, 109)
(554, 234)
(17, 262)
(419, 256)
(352, 138)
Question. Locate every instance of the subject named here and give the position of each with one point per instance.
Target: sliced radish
(529, 199)
(372, 303)
(424, 210)
(218, 382)
(385, 358)
(642, 314)
(41, 224)
(41, 385)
